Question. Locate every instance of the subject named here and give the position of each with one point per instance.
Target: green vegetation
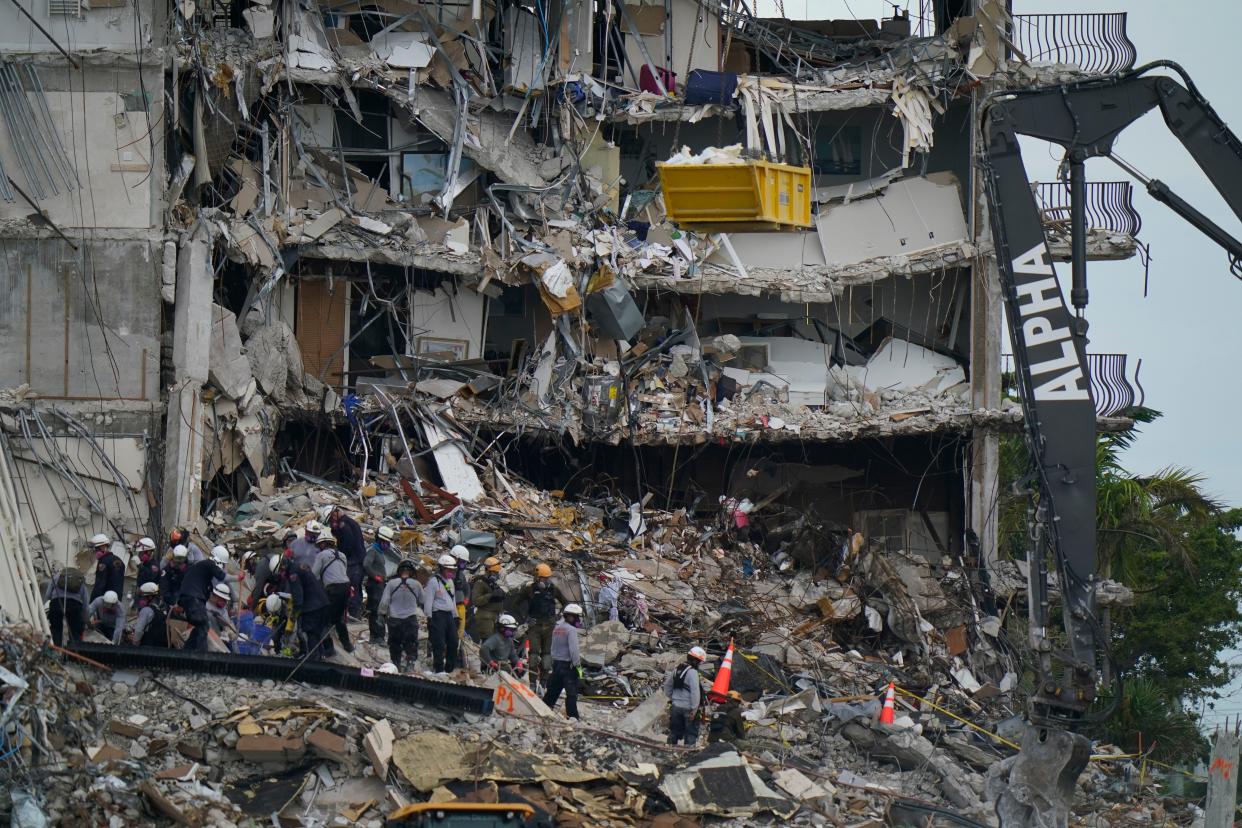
(1180, 552)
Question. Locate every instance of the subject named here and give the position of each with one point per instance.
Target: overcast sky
(1188, 329)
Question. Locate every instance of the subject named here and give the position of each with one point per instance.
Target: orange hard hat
(543, 571)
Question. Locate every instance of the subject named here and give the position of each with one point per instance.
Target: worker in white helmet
(375, 574)
(681, 685)
(305, 550)
(107, 615)
(148, 562)
(499, 651)
(218, 610)
(566, 661)
(109, 569)
(174, 571)
(151, 626)
(440, 607)
(350, 541)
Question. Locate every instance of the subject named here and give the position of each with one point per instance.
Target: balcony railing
(1109, 206)
(1094, 42)
(1113, 387)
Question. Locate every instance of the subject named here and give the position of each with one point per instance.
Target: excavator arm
(1049, 344)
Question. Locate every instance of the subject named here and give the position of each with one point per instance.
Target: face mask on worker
(100, 551)
(509, 632)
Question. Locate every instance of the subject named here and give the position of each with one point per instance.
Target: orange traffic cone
(886, 712)
(720, 687)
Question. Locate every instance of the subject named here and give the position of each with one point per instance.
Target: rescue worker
(441, 611)
(681, 685)
(487, 599)
(148, 563)
(566, 662)
(181, 537)
(197, 586)
(67, 600)
(218, 610)
(309, 608)
(499, 651)
(727, 724)
(350, 541)
(174, 573)
(540, 599)
(304, 549)
(151, 625)
(276, 614)
(107, 615)
(332, 570)
(109, 569)
(375, 571)
(399, 606)
(609, 595)
(258, 566)
(461, 586)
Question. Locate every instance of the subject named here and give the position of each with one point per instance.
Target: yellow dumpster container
(753, 195)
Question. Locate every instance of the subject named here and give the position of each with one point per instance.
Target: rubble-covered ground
(820, 628)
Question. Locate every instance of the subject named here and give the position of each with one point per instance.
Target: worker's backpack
(70, 579)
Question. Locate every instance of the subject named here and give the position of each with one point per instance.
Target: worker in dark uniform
(540, 599)
(148, 563)
(151, 625)
(349, 540)
(196, 589)
(310, 608)
(375, 573)
(487, 599)
(109, 569)
(440, 607)
(174, 572)
(66, 604)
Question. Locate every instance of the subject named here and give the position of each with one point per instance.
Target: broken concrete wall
(450, 320)
(108, 483)
(103, 118)
(81, 324)
(86, 26)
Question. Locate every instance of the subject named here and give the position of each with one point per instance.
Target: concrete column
(183, 458)
(985, 362)
(1222, 779)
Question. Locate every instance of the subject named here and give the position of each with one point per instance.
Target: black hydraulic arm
(1049, 341)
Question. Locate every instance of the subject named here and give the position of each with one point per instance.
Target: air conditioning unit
(67, 8)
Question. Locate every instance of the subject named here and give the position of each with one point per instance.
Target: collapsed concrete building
(234, 233)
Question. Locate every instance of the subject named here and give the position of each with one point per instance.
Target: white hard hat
(386, 533)
(388, 667)
(149, 588)
(180, 551)
(111, 597)
(572, 609)
(507, 620)
(698, 653)
(326, 511)
(272, 604)
(314, 527)
(448, 560)
(273, 562)
(460, 552)
(222, 591)
(101, 540)
(145, 543)
(220, 555)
